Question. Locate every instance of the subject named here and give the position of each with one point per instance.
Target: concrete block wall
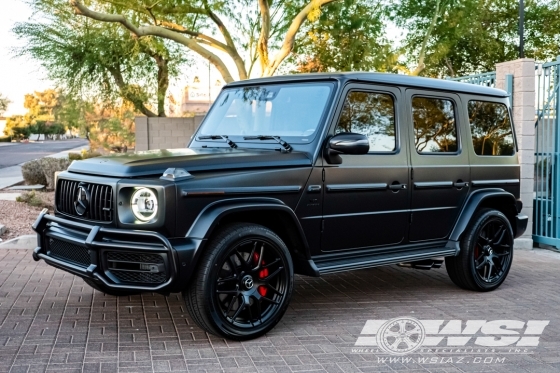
(165, 133)
(523, 71)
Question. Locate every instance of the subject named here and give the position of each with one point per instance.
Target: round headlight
(144, 204)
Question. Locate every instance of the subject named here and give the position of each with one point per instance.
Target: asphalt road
(14, 154)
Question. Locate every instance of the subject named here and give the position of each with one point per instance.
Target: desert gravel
(18, 217)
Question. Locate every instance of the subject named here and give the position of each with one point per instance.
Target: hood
(154, 162)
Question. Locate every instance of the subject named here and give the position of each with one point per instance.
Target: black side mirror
(346, 143)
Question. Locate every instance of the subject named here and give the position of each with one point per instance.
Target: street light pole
(521, 29)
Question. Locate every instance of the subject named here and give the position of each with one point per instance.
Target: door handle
(314, 189)
(397, 187)
(460, 184)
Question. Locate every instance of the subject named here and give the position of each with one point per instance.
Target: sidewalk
(12, 175)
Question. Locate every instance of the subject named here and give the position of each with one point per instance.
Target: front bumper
(115, 258)
(520, 224)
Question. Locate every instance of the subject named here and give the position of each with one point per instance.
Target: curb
(2, 229)
(22, 242)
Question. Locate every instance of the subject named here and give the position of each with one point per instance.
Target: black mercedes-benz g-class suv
(308, 174)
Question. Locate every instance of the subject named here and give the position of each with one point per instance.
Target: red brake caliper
(263, 273)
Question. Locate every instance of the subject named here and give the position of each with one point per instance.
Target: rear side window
(370, 114)
(434, 125)
(491, 128)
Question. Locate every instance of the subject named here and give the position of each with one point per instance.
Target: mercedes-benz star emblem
(81, 204)
(248, 282)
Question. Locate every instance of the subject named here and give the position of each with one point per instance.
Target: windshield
(285, 110)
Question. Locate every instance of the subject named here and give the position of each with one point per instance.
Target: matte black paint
(371, 209)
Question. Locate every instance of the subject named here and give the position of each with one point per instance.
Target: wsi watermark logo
(406, 335)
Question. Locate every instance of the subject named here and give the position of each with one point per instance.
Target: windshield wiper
(219, 137)
(287, 147)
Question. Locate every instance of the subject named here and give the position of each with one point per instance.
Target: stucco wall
(165, 133)
(523, 71)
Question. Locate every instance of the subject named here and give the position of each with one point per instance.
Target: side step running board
(381, 259)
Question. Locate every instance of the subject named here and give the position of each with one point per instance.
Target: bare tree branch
(162, 32)
(289, 39)
(421, 65)
(232, 50)
(128, 92)
(262, 46)
(450, 67)
(208, 39)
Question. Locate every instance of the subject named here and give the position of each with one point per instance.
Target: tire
(115, 292)
(486, 252)
(243, 283)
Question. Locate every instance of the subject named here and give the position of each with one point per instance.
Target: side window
(435, 129)
(370, 114)
(490, 128)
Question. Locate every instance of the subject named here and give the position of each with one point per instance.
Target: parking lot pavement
(52, 321)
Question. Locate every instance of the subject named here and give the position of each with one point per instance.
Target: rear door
(440, 163)
(366, 198)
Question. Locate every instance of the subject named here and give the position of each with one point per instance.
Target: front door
(440, 163)
(366, 198)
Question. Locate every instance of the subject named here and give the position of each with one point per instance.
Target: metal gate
(546, 209)
(486, 79)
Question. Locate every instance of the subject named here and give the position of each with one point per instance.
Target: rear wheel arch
(504, 204)
(497, 199)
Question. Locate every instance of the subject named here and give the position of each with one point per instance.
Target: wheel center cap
(247, 281)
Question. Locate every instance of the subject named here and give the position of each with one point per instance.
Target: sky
(18, 76)
(21, 75)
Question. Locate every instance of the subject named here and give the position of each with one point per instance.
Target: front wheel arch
(268, 212)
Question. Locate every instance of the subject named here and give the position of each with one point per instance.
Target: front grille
(145, 277)
(68, 252)
(137, 267)
(100, 206)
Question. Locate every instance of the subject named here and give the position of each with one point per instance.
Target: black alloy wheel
(492, 252)
(244, 283)
(486, 253)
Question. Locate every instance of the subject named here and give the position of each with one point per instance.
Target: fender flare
(209, 218)
(472, 204)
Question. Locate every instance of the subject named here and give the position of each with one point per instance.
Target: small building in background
(198, 96)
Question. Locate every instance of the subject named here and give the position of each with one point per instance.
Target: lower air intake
(68, 252)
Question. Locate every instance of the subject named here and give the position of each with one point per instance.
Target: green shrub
(52, 165)
(5, 139)
(90, 154)
(42, 171)
(32, 173)
(34, 199)
(74, 156)
(84, 154)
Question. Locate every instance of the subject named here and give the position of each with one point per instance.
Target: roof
(383, 78)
